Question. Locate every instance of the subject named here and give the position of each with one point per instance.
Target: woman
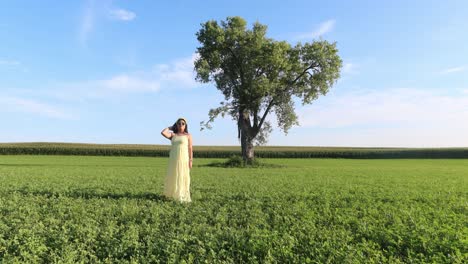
(177, 183)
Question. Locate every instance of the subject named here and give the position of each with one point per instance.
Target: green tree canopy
(258, 76)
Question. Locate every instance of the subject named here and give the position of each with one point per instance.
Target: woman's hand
(190, 164)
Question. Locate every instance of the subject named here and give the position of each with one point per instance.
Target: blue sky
(121, 71)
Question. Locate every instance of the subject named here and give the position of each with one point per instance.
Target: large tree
(258, 76)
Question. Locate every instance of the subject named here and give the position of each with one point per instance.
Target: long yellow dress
(177, 182)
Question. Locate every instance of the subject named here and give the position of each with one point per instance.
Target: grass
(72, 209)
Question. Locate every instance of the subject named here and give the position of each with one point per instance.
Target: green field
(69, 209)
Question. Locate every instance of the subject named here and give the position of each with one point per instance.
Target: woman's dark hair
(176, 130)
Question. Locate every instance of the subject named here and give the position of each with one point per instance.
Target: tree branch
(259, 72)
(266, 113)
(255, 117)
(238, 62)
(302, 74)
(213, 113)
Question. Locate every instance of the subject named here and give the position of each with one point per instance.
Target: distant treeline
(228, 151)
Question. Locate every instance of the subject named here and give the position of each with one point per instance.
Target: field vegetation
(228, 151)
(72, 209)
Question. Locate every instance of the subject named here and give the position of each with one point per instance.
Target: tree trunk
(247, 148)
(246, 137)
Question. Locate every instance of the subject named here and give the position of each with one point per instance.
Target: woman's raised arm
(166, 133)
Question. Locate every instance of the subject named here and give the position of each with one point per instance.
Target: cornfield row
(228, 151)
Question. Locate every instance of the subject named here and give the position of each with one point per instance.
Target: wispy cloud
(399, 107)
(130, 83)
(93, 12)
(350, 68)
(322, 29)
(121, 14)
(177, 74)
(452, 70)
(16, 104)
(391, 118)
(87, 22)
(9, 62)
(14, 65)
(179, 71)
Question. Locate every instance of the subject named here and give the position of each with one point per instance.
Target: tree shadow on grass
(93, 194)
(238, 162)
(256, 166)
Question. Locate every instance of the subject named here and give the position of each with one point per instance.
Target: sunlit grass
(110, 209)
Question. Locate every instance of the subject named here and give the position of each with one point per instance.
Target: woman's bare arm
(190, 150)
(166, 133)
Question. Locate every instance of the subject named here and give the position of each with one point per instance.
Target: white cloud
(178, 74)
(350, 68)
(16, 104)
(87, 23)
(452, 70)
(125, 82)
(390, 118)
(93, 12)
(9, 62)
(323, 28)
(399, 107)
(122, 14)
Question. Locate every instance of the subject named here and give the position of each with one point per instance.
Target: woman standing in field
(177, 182)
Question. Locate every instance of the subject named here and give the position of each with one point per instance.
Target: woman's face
(181, 125)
